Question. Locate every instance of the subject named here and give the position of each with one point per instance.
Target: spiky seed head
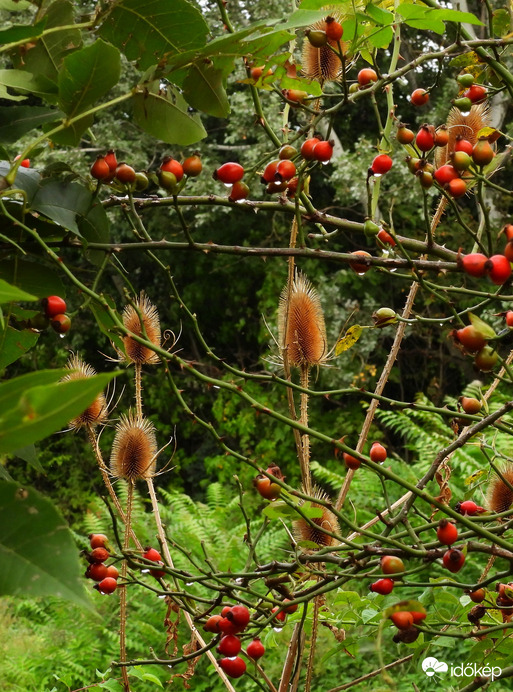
(322, 64)
(303, 531)
(499, 497)
(464, 125)
(301, 327)
(96, 412)
(134, 449)
(136, 352)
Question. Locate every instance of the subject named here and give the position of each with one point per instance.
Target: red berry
(295, 95)
(229, 645)
(462, 144)
(508, 251)
(307, 148)
(381, 164)
(442, 136)
(457, 187)
(417, 616)
(323, 151)
(466, 507)
(445, 174)
(112, 571)
(482, 153)
(98, 540)
(402, 619)
(404, 135)
(447, 533)
(287, 152)
(285, 170)
(257, 72)
(461, 160)
(226, 626)
(453, 560)
(386, 237)
(419, 97)
(334, 30)
(266, 488)
(239, 615)
(486, 359)
(509, 318)
(290, 608)
(229, 173)
(112, 162)
(53, 305)
(508, 231)
(99, 555)
(499, 269)
(470, 338)
(60, 324)
(382, 586)
(107, 585)
(425, 139)
(478, 595)
(360, 267)
(238, 192)
(378, 453)
(476, 93)
(212, 624)
(281, 616)
(192, 166)
(366, 76)
(233, 667)
(170, 165)
(470, 405)
(97, 571)
(226, 610)
(474, 264)
(154, 556)
(25, 163)
(125, 174)
(390, 564)
(268, 176)
(351, 462)
(100, 169)
(255, 649)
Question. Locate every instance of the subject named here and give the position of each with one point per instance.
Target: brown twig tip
(301, 327)
(499, 496)
(149, 316)
(303, 531)
(96, 412)
(134, 449)
(322, 64)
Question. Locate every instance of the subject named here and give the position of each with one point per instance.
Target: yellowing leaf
(481, 326)
(491, 134)
(349, 339)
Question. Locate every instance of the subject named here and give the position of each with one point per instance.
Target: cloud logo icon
(431, 666)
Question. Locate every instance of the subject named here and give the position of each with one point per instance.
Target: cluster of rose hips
(232, 621)
(377, 454)
(53, 314)
(106, 576)
(172, 172)
(331, 32)
(473, 341)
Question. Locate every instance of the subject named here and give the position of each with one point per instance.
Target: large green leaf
(15, 121)
(13, 344)
(86, 76)
(22, 81)
(9, 293)
(107, 324)
(46, 57)
(165, 116)
(43, 410)
(37, 551)
(95, 228)
(147, 31)
(32, 277)
(11, 390)
(22, 32)
(62, 202)
(27, 179)
(204, 90)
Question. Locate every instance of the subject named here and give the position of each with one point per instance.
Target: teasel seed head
(303, 531)
(322, 64)
(134, 449)
(96, 412)
(136, 352)
(499, 497)
(301, 327)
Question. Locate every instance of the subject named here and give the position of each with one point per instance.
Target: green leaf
(22, 32)
(312, 88)
(501, 22)
(204, 90)
(95, 228)
(302, 17)
(381, 38)
(15, 121)
(46, 57)
(379, 15)
(165, 116)
(32, 277)
(29, 454)
(86, 76)
(481, 326)
(106, 323)
(457, 16)
(27, 179)
(12, 390)
(142, 674)
(148, 31)
(9, 293)
(62, 202)
(349, 339)
(13, 344)
(279, 509)
(42, 411)
(24, 82)
(465, 60)
(37, 551)
(14, 5)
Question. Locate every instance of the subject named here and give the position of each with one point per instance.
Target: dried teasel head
(463, 125)
(96, 412)
(499, 498)
(322, 64)
(301, 327)
(136, 352)
(303, 531)
(134, 449)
